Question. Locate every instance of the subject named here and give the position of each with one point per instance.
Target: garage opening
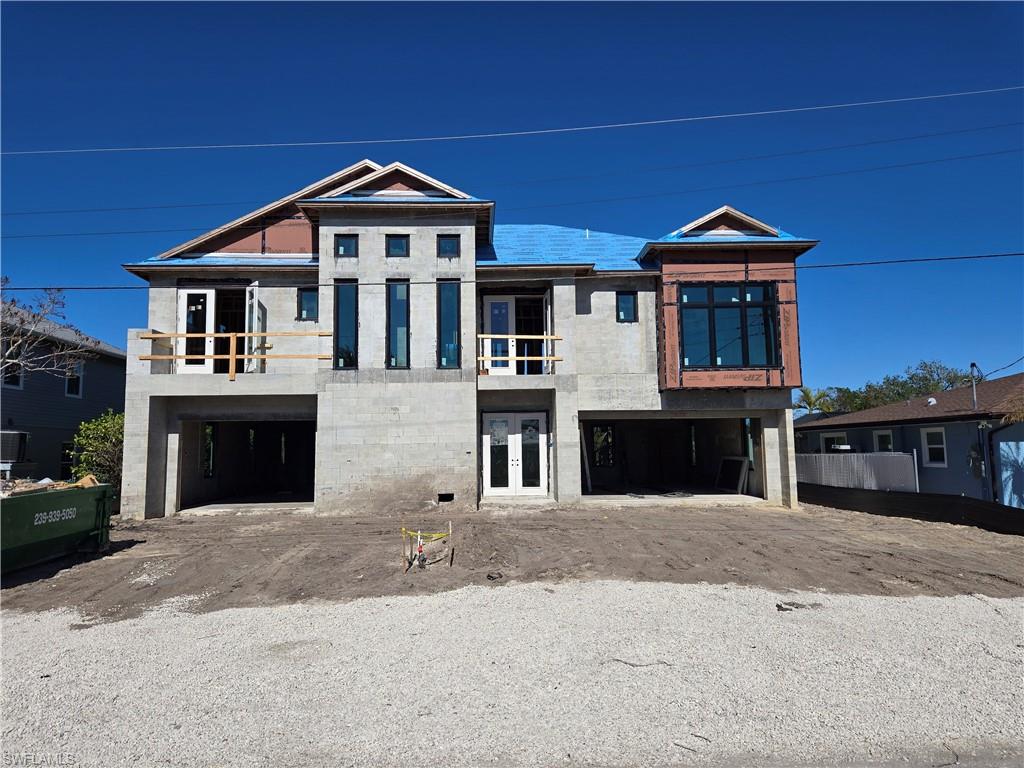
(672, 457)
(247, 462)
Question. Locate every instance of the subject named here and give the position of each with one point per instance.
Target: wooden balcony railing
(498, 353)
(233, 355)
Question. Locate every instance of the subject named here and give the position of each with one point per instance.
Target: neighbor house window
(449, 246)
(346, 324)
(398, 324)
(727, 326)
(73, 380)
(625, 307)
(604, 445)
(309, 303)
(13, 375)
(396, 246)
(933, 446)
(883, 440)
(346, 245)
(448, 331)
(67, 460)
(207, 447)
(829, 440)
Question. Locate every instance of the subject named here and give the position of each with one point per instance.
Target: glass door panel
(497, 453)
(498, 314)
(195, 315)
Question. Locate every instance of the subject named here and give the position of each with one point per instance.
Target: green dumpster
(36, 526)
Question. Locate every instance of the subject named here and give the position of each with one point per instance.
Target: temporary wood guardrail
(483, 338)
(233, 357)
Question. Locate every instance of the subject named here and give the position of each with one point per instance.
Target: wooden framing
(233, 357)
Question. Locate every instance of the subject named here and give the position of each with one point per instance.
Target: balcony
(500, 354)
(230, 353)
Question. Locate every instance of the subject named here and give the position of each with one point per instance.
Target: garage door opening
(671, 457)
(247, 462)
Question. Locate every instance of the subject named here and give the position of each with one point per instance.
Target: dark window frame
(75, 375)
(408, 325)
(315, 290)
(636, 306)
(607, 457)
(458, 246)
(769, 303)
(458, 323)
(388, 239)
(334, 338)
(354, 237)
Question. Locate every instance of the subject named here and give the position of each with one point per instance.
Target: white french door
(515, 451)
(255, 321)
(500, 319)
(195, 315)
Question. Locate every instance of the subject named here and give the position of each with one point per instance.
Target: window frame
(355, 238)
(390, 238)
(875, 433)
(458, 323)
(769, 303)
(17, 371)
(408, 325)
(609, 429)
(315, 290)
(458, 246)
(334, 337)
(846, 440)
(636, 306)
(79, 375)
(925, 459)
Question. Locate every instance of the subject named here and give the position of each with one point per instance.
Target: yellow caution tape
(425, 536)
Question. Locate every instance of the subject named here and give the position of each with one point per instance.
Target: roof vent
(932, 401)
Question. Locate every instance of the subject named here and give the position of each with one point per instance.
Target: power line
(718, 269)
(442, 217)
(997, 370)
(530, 132)
(525, 182)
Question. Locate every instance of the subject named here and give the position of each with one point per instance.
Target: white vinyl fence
(871, 471)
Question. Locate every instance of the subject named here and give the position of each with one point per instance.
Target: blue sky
(140, 75)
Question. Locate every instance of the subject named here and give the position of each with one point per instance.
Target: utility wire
(531, 132)
(528, 182)
(718, 269)
(446, 217)
(997, 370)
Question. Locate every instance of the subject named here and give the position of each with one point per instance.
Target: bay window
(727, 325)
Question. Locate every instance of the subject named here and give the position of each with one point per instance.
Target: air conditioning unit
(13, 446)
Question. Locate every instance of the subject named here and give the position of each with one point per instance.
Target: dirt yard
(249, 560)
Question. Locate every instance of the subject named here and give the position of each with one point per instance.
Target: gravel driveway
(572, 673)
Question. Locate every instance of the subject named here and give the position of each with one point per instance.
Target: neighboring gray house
(376, 342)
(40, 410)
(964, 447)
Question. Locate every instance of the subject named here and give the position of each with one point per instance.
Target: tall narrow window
(309, 303)
(346, 324)
(207, 448)
(728, 326)
(448, 315)
(73, 381)
(398, 324)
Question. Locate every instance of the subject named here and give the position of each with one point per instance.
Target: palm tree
(812, 400)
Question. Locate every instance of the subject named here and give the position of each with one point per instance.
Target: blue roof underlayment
(384, 200)
(711, 237)
(209, 260)
(518, 245)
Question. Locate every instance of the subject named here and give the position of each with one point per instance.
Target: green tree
(99, 447)
(926, 377)
(814, 400)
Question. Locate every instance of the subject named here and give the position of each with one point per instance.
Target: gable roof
(344, 176)
(994, 399)
(366, 183)
(19, 316)
(517, 245)
(725, 212)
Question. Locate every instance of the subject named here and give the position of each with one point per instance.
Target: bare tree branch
(36, 337)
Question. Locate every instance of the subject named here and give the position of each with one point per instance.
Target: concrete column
(145, 451)
(567, 465)
(779, 457)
